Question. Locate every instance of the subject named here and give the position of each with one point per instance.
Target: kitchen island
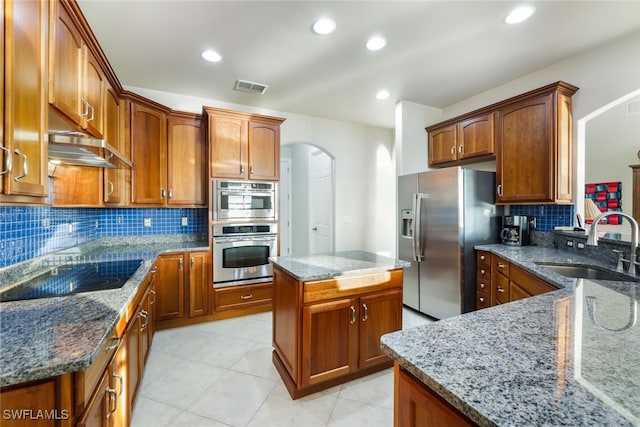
(544, 360)
(329, 311)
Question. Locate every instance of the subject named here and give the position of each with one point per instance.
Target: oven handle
(221, 240)
(245, 193)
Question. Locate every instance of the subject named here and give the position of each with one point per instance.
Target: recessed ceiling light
(519, 14)
(324, 26)
(211, 56)
(383, 94)
(376, 43)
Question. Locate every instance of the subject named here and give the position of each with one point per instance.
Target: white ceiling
(438, 52)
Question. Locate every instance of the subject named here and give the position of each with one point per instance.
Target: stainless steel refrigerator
(443, 213)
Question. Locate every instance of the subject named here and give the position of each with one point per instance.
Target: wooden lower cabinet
(184, 287)
(99, 410)
(50, 400)
(507, 281)
(328, 332)
(415, 405)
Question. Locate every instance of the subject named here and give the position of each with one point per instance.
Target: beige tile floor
(220, 374)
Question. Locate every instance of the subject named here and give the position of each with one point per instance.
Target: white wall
(364, 168)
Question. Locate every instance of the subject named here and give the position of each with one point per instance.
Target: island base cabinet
(417, 406)
(43, 403)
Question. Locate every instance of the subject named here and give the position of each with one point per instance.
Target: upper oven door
(244, 203)
(241, 259)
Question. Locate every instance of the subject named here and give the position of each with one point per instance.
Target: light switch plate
(185, 221)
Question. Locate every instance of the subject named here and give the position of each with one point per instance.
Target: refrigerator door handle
(417, 226)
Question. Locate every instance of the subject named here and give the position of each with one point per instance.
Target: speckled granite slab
(544, 361)
(52, 336)
(326, 266)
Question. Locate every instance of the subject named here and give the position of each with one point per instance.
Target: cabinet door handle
(481, 257)
(500, 190)
(85, 104)
(111, 397)
(365, 316)
(501, 265)
(111, 188)
(171, 193)
(153, 301)
(482, 286)
(501, 289)
(193, 263)
(121, 381)
(246, 297)
(25, 165)
(453, 151)
(353, 315)
(180, 264)
(163, 192)
(9, 161)
(144, 316)
(482, 271)
(481, 299)
(93, 111)
(251, 170)
(241, 168)
(460, 148)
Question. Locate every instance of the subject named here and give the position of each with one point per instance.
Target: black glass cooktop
(74, 279)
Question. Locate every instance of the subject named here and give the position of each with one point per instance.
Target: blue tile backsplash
(28, 232)
(547, 216)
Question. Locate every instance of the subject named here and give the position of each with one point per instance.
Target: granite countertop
(329, 265)
(544, 360)
(46, 337)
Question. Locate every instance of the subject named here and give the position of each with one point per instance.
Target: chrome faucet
(593, 237)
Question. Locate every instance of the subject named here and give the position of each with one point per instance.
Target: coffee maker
(516, 229)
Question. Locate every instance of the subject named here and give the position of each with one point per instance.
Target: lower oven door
(242, 260)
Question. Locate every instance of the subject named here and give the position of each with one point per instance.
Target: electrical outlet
(70, 228)
(570, 243)
(580, 245)
(147, 222)
(185, 221)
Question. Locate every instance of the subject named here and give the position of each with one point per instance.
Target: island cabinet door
(329, 340)
(380, 314)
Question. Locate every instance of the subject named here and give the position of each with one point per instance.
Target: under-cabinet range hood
(77, 148)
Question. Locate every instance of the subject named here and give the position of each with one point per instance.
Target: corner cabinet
(243, 146)
(533, 143)
(327, 332)
(23, 148)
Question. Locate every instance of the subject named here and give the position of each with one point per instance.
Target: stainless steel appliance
(516, 229)
(442, 214)
(241, 253)
(240, 200)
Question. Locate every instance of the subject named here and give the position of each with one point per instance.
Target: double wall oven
(245, 232)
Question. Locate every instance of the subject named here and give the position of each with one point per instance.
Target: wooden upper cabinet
(243, 146)
(442, 145)
(24, 147)
(264, 150)
(476, 137)
(114, 179)
(76, 80)
(533, 143)
(186, 160)
(148, 139)
(470, 138)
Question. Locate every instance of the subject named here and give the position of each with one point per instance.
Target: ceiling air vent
(250, 87)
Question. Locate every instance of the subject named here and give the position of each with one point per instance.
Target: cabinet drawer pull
(246, 297)
(365, 316)
(25, 165)
(353, 315)
(9, 161)
(111, 347)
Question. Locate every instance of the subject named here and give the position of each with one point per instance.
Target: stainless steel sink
(587, 272)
